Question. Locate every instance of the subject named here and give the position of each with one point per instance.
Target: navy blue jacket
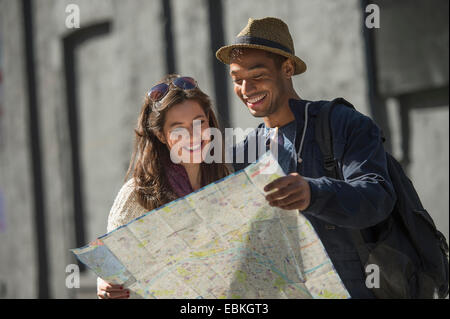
(362, 200)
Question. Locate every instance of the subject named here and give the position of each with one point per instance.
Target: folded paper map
(222, 241)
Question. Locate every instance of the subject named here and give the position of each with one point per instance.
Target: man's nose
(247, 88)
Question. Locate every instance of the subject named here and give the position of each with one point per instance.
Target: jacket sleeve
(366, 196)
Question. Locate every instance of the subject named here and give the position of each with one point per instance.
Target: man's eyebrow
(257, 66)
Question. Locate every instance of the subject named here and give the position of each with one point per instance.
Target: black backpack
(412, 255)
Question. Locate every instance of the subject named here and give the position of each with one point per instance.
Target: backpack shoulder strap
(324, 138)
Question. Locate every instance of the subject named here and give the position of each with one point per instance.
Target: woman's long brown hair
(149, 153)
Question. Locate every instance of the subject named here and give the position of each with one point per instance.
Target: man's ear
(288, 68)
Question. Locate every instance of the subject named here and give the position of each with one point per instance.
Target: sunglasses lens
(185, 83)
(157, 92)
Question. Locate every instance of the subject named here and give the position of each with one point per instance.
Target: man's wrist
(314, 190)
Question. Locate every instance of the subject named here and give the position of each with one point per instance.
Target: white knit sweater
(125, 207)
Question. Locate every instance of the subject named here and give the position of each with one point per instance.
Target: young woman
(169, 110)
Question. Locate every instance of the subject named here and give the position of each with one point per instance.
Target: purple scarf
(178, 179)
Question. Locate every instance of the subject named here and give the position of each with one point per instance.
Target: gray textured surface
(18, 263)
(412, 53)
(429, 167)
(192, 43)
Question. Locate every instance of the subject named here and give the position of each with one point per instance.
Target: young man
(262, 62)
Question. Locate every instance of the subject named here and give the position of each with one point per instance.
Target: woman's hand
(106, 290)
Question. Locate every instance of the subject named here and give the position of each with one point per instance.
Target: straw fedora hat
(268, 34)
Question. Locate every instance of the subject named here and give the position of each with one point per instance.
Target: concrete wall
(113, 71)
(412, 53)
(192, 43)
(113, 74)
(429, 167)
(18, 262)
(412, 61)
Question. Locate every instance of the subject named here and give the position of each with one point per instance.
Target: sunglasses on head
(159, 91)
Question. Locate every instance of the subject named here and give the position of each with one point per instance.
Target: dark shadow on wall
(217, 40)
(43, 290)
(377, 103)
(169, 44)
(416, 100)
(70, 44)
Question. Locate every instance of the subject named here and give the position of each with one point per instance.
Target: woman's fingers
(119, 295)
(103, 285)
(114, 288)
(106, 290)
(124, 294)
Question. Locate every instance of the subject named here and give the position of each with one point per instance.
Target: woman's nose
(195, 132)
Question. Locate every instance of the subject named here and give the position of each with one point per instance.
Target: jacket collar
(298, 109)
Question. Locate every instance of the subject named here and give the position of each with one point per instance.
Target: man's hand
(293, 192)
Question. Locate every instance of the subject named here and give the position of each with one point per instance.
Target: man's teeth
(256, 99)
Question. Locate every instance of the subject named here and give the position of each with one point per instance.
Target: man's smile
(255, 100)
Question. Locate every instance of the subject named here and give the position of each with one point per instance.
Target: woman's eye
(196, 122)
(177, 130)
